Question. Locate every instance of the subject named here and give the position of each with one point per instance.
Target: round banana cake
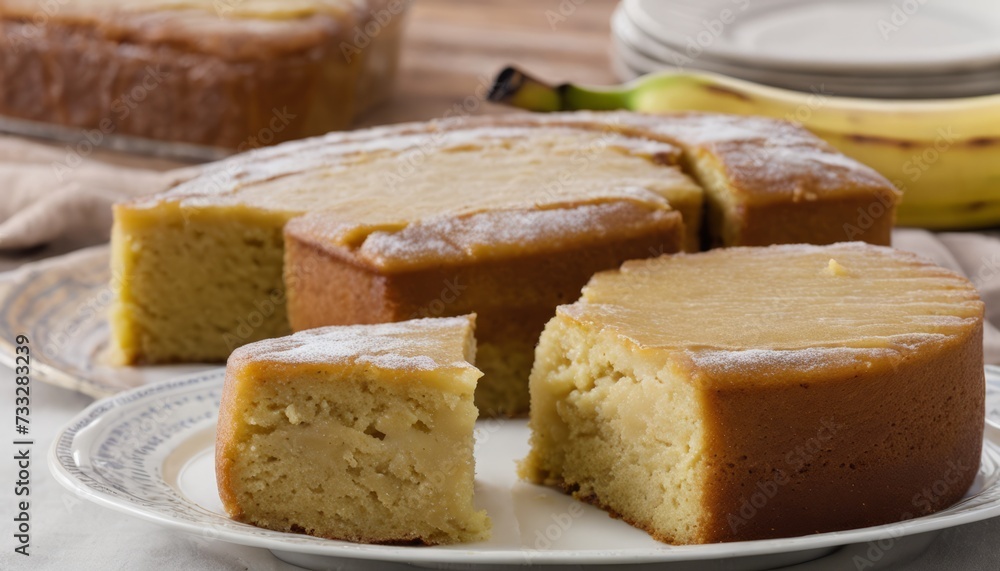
(750, 393)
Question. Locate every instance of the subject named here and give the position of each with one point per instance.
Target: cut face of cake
(751, 393)
(505, 217)
(361, 433)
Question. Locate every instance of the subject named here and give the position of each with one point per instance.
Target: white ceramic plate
(149, 452)
(644, 54)
(61, 305)
(831, 35)
(640, 62)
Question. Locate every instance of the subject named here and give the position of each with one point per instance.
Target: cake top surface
(392, 175)
(742, 307)
(430, 344)
(492, 234)
(764, 159)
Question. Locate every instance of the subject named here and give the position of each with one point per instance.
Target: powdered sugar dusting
(753, 311)
(494, 234)
(766, 157)
(805, 360)
(778, 361)
(419, 344)
(857, 248)
(221, 183)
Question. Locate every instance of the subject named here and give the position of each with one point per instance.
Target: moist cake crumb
(361, 433)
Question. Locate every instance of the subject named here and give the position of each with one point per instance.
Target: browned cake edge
(905, 428)
(225, 442)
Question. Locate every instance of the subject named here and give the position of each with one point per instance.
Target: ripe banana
(943, 154)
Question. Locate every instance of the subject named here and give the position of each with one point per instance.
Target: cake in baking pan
(236, 74)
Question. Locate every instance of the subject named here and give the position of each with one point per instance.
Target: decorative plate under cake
(149, 453)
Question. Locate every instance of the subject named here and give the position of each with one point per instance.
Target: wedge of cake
(362, 433)
(751, 393)
(225, 73)
(506, 217)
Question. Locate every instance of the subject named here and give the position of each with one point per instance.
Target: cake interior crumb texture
(626, 436)
(360, 433)
(173, 306)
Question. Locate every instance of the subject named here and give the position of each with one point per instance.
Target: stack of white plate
(863, 48)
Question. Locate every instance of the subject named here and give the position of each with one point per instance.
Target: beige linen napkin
(43, 198)
(51, 192)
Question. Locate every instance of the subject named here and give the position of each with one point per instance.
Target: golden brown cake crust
(768, 160)
(836, 460)
(224, 437)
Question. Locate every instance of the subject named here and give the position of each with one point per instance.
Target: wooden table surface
(453, 49)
